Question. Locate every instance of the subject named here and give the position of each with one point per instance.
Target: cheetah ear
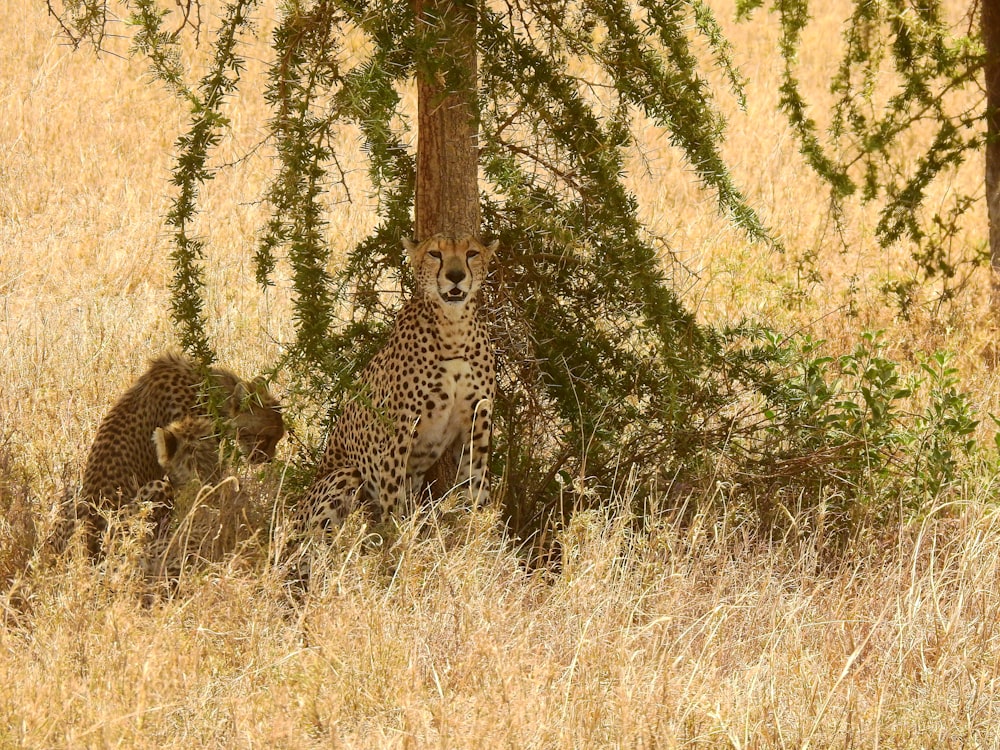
(241, 392)
(166, 444)
(258, 389)
(492, 248)
(411, 248)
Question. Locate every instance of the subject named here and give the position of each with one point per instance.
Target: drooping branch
(903, 77)
(306, 68)
(191, 171)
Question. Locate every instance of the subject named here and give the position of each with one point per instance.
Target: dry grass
(674, 637)
(660, 640)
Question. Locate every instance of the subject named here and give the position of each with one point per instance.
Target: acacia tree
(602, 371)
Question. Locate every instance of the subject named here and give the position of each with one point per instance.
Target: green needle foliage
(909, 75)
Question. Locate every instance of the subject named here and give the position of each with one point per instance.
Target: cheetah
(426, 396)
(123, 459)
(205, 511)
(187, 450)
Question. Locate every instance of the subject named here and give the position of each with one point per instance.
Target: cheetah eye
(471, 254)
(435, 254)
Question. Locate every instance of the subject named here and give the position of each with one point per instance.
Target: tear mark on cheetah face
(449, 273)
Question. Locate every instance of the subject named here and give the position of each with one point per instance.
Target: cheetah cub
(427, 394)
(205, 510)
(187, 450)
(123, 461)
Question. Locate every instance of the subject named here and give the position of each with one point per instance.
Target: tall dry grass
(663, 639)
(676, 636)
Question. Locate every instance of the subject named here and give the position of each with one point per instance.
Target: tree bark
(991, 39)
(447, 189)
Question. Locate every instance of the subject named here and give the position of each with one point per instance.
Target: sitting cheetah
(427, 394)
(123, 459)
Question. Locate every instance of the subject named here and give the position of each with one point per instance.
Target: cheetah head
(188, 450)
(450, 271)
(252, 413)
(256, 415)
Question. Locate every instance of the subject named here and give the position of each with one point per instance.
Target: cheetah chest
(446, 415)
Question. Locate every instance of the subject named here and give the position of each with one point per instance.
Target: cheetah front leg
(393, 482)
(472, 453)
(331, 498)
(158, 496)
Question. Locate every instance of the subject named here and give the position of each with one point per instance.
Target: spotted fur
(123, 458)
(426, 395)
(187, 451)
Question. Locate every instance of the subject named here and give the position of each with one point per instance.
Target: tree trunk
(991, 39)
(447, 190)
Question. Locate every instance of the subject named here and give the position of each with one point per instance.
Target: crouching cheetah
(123, 458)
(427, 394)
(187, 451)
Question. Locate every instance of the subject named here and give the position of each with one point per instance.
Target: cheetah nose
(455, 275)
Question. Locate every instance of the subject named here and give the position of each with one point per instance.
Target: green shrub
(852, 436)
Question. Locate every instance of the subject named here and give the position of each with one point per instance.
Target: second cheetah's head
(188, 450)
(450, 270)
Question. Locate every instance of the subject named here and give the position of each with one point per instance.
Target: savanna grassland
(694, 634)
